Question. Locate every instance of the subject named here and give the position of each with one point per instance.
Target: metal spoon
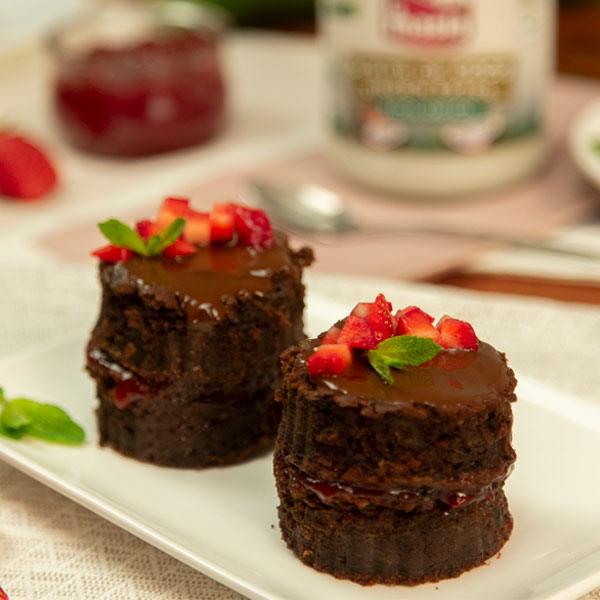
(316, 210)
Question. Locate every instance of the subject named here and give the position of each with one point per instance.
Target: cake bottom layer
(388, 546)
(167, 429)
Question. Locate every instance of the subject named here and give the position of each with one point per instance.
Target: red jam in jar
(159, 91)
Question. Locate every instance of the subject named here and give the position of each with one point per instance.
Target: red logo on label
(429, 22)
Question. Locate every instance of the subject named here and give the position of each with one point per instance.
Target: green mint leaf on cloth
(120, 234)
(22, 416)
(157, 243)
(401, 351)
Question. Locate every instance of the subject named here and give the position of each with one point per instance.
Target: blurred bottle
(438, 97)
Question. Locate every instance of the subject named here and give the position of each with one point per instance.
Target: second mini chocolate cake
(185, 352)
(396, 481)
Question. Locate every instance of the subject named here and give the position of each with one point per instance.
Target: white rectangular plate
(223, 522)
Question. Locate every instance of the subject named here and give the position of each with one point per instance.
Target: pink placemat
(553, 197)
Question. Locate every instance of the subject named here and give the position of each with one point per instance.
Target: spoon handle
(508, 239)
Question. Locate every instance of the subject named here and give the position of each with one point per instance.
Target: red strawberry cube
(112, 254)
(329, 359)
(147, 229)
(454, 333)
(414, 321)
(197, 228)
(222, 218)
(170, 209)
(253, 228)
(380, 318)
(179, 248)
(358, 333)
(332, 336)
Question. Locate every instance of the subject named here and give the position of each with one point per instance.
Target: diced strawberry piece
(378, 315)
(253, 227)
(358, 333)
(399, 326)
(25, 171)
(179, 248)
(416, 322)
(147, 229)
(170, 209)
(361, 310)
(332, 336)
(112, 254)
(329, 359)
(454, 333)
(3, 595)
(380, 318)
(222, 219)
(197, 227)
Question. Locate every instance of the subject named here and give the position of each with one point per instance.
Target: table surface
(47, 543)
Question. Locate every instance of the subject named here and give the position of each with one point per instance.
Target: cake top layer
(388, 361)
(454, 381)
(201, 283)
(197, 262)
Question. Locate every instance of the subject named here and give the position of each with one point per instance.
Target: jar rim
(184, 14)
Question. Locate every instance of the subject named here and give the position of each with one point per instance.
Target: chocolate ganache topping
(201, 282)
(454, 380)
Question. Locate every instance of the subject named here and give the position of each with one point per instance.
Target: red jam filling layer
(453, 498)
(160, 94)
(128, 387)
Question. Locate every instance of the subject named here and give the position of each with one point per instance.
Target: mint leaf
(409, 349)
(13, 417)
(122, 235)
(380, 364)
(2, 399)
(15, 434)
(400, 351)
(157, 243)
(22, 416)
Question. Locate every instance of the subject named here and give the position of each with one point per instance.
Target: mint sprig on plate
(120, 234)
(399, 352)
(21, 416)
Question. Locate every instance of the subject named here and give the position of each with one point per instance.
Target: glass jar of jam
(139, 78)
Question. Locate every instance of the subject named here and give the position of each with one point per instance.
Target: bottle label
(446, 75)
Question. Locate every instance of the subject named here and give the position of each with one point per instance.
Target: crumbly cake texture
(402, 492)
(181, 386)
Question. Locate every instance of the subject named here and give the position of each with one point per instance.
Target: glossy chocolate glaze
(454, 380)
(200, 283)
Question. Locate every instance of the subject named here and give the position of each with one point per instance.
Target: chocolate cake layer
(169, 426)
(441, 424)
(384, 545)
(221, 316)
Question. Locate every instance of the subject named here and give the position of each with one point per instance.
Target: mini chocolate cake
(395, 483)
(185, 352)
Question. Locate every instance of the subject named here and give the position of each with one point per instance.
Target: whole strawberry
(25, 171)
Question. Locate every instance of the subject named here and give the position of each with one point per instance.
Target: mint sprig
(399, 352)
(21, 416)
(120, 234)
